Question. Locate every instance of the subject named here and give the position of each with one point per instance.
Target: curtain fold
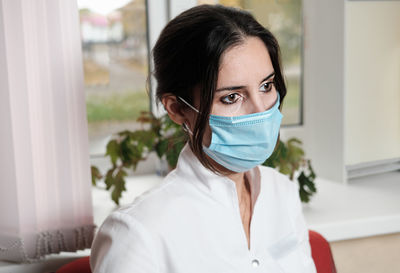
(45, 186)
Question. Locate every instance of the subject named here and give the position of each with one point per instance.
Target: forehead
(245, 64)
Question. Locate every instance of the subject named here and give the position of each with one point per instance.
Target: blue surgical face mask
(240, 143)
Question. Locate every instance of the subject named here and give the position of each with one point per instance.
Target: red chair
(320, 251)
(80, 265)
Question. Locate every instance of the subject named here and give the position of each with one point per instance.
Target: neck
(238, 178)
(242, 186)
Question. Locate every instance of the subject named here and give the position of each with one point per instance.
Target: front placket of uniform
(258, 258)
(252, 262)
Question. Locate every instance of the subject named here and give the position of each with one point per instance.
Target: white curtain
(45, 188)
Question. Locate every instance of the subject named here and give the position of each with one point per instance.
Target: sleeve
(302, 230)
(123, 245)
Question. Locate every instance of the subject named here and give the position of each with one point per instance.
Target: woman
(218, 75)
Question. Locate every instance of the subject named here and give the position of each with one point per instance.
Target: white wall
(372, 81)
(323, 87)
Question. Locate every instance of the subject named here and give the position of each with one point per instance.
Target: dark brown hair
(188, 53)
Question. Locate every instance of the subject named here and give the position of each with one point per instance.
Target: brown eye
(230, 99)
(266, 87)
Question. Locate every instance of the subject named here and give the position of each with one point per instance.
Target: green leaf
(310, 185)
(274, 160)
(306, 187)
(270, 162)
(285, 168)
(119, 186)
(96, 175)
(289, 157)
(283, 150)
(311, 170)
(161, 147)
(169, 124)
(294, 141)
(174, 148)
(113, 150)
(295, 153)
(130, 152)
(109, 180)
(304, 197)
(148, 138)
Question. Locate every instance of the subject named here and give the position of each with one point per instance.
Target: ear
(174, 108)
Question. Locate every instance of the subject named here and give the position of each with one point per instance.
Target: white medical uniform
(190, 223)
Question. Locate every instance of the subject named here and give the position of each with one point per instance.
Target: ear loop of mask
(186, 128)
(188, 104)
(184, 125)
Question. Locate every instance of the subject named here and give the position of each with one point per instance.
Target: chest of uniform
(200, 241)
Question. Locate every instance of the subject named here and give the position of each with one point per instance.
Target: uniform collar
(220, 188)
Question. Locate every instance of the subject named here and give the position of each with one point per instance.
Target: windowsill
(365, 207)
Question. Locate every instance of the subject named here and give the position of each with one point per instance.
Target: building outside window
(115, 61)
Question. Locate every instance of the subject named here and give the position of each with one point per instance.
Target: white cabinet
(352, 87)
(372, 85)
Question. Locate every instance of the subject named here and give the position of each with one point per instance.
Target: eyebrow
(230, 88)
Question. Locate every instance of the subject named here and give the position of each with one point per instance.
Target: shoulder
(160, 204)
(112, 251)
(279, 188)
(138, 222)
(274, 178)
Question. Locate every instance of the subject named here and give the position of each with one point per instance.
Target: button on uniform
(255, 263)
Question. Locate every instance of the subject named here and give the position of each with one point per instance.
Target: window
(115, 60)
(115, 57)
(284, 19)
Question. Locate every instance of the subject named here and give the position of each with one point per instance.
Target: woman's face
(245, 83)
(245, 80)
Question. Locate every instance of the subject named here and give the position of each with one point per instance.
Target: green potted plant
(288, 158)
(128, 148)
(163, 136)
